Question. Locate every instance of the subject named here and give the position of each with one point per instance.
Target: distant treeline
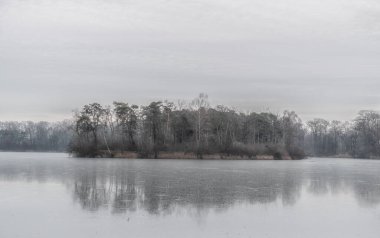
(35, 136)
(359, 138)
(194, 128)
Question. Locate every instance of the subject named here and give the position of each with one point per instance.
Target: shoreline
(193, 156)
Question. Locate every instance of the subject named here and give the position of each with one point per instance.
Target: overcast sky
(320, 58)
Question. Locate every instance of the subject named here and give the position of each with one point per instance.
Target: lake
(53, 195)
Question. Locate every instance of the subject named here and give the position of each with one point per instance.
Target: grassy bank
(183, 155)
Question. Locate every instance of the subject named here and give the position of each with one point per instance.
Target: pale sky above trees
(320, 58)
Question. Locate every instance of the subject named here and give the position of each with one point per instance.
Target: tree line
(359, 138)
(35, 136)
(194, 128)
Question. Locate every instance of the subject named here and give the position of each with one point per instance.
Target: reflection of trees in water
(89, 194)
(324, 179)
(125, 193)
(292, 187)
(367, 190)
(161, 193)
(159, 187)
(362, 179)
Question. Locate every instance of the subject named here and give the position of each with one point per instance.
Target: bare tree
(200, 106)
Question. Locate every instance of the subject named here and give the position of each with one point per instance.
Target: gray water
(52, 195)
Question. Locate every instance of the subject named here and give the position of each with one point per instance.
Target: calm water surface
(52, 195)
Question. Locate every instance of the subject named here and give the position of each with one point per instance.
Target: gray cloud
(319, 58)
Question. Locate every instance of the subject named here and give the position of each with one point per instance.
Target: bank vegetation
(162, 129)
